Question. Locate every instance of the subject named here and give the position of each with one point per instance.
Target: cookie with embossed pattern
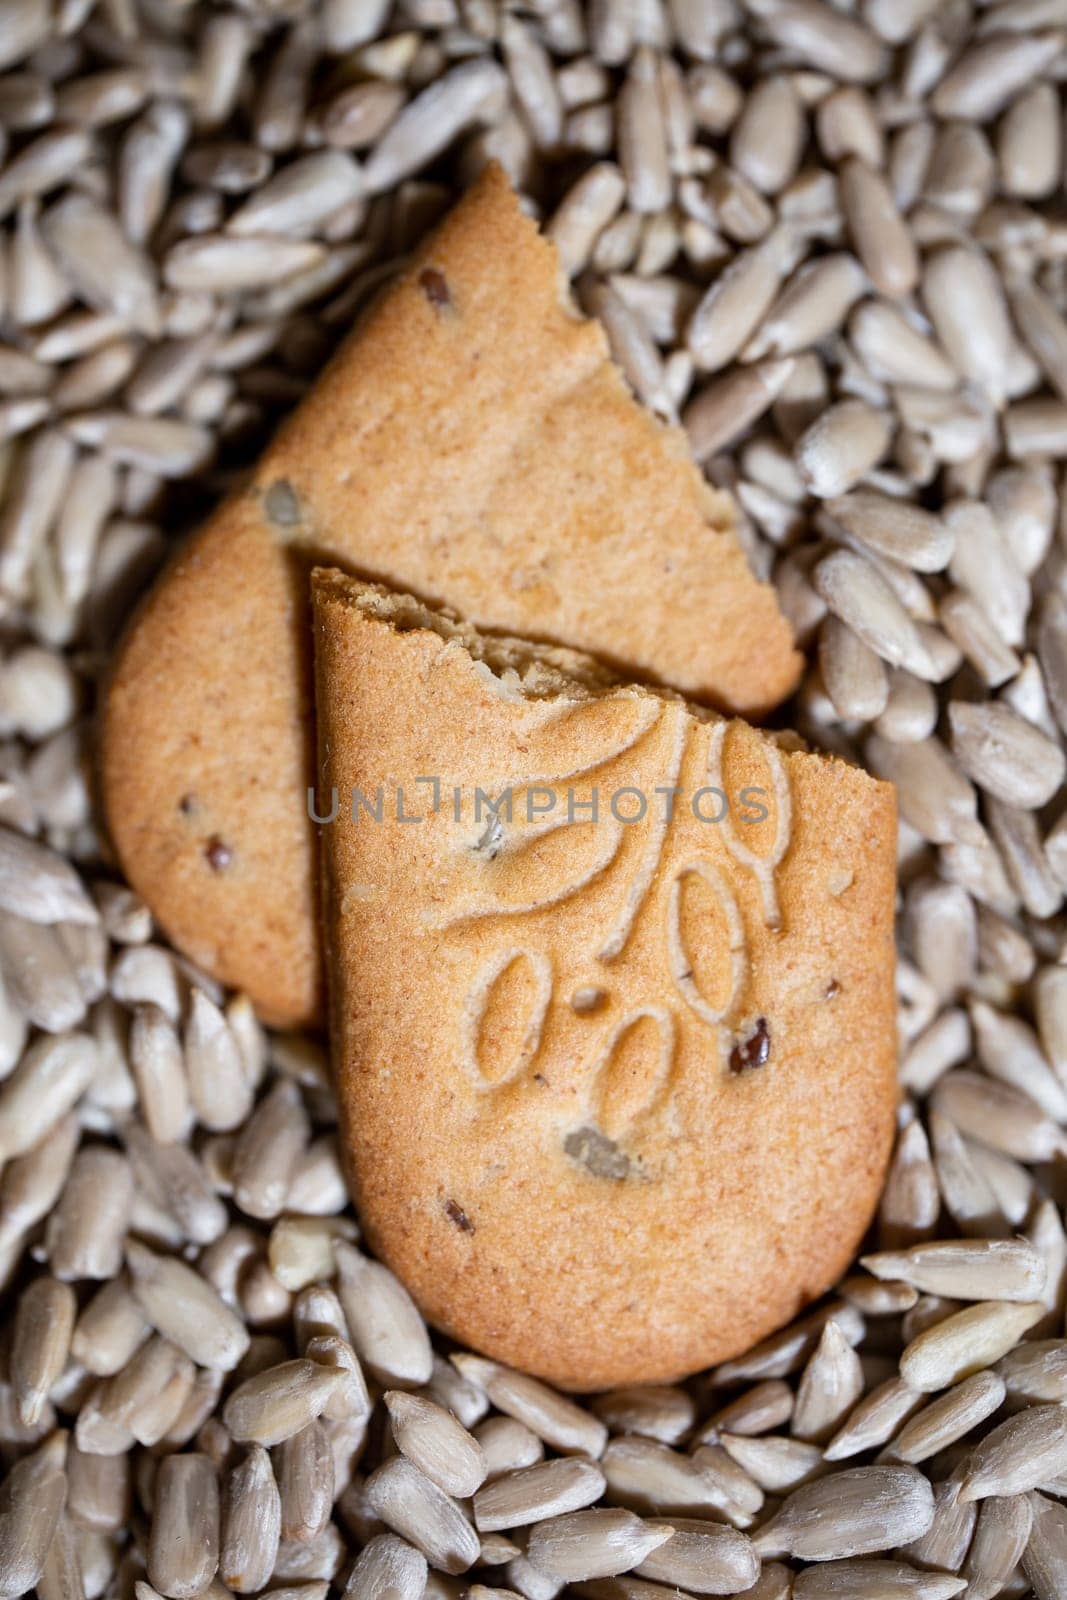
(471, 442)
(612, 996)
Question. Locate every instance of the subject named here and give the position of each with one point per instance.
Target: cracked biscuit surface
(473, 443)
(613, 1030)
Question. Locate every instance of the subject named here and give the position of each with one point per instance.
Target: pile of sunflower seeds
(831, 240)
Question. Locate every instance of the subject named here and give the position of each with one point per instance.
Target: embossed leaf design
(633, 1069)
(705, 940)
(534, 867)
(505, 1016)
(740, 763)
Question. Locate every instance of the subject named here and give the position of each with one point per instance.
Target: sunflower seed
(438, 1444)
(874, 1420)
(1001, 1535)
(855, 1512)
(559, 1422)
(949, 1418)
(277, 1403)
(979, 1269)
(183, 1307)
(703, 1559)
(406, 1501)
(532, 1493)
(829, 1387)
(593, 1544)
(965, 1342)
(387, 1568)
(387, 1331)
(183, 1548)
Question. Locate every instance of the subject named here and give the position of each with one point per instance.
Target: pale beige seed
(587, 208)
(786, 1352)
(874, 1580)
(185, 1308)
(432, 1438)
(218, 1086)
(1045, 1557)
(896, 529)
(40, 1344)
(39, 885)
(1008, 1049)
(109, 1330)
(768, 137)
(855, 677)
(267, 1150)
(965, 1343)
(875, 1419)
(856, 1512)
(466, 95)
(968, 1194)
(813, 305)
(880, 234)
(878, 1299)
(593, 1544)
(656, 1412)
(158, 1067)
(966, 304)
(998, 1115)
(860, 597)
(1001, 1535)
(651, 1476)
(829, 1387)
(775, 1463)
(1050, 1008)
(530, 1494)
(387, 1331)
(991, 73)
(841, 447)
(1016, 1456)
(86, 1230)
(846, 123)
(300, 197)
(174, 1176)
(642, 136)
(737, 301)
(507, 1445)
(183, 1547)
(760, 1409)
(562, 1424)
(31, 1503)
(911, 1201)
(250, 1523)
(98, 1490)
(388, 1568)
(301, 1249)
(966, 1269)
(305, 1472)
(49, 1080)
(983, 565)
(1030, 144)
(408, 1503)
(703, 1559)
(825, 38)
(272, 1405)
(721, 412)
(893, 350)
(950, 1417)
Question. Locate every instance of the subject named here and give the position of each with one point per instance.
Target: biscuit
(617, 1096)
(471, 442)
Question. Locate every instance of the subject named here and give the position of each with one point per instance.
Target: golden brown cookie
(473, 443)
(617, 1095)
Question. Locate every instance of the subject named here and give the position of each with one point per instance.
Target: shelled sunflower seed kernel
(827, 238)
